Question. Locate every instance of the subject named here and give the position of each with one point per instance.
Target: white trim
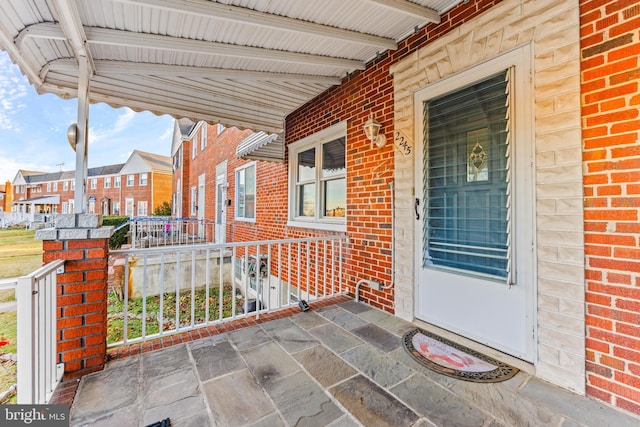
(255, 191)
(338, 130)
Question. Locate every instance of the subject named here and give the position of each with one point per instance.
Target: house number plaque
(403, 143)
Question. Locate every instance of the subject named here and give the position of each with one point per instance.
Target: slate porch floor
(341, 365)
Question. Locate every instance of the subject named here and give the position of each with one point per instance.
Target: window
(219, 128)
(246, 192)
(130, 180)
(143, 178)
(203, 137)
(55, 186)
(107, 182)
(116, 182)
(142, 208)
(65, 186)
(116, 208)
(194, 201)
(94, 183)
(73, 185)
(48, 187)
(194, 149)
(318, 179)
(65, 207)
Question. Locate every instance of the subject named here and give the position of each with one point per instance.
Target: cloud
(122, 123)
(12, 91)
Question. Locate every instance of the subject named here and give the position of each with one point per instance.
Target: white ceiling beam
(16, 55)
(67, 11)
(154, 41)
(410, 8)
(104, 67)
(209, 9)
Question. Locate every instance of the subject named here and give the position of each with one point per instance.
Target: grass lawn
(8, 367)
(20, 254)
(115, 325)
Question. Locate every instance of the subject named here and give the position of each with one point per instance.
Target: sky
(33, 129)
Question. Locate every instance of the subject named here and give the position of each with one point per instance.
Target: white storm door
(221, 208)
(474, 247)
(200, 206)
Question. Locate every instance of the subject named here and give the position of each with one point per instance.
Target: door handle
(415, 206)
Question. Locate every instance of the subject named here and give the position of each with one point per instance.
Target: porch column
(80, 240)
(82, 168)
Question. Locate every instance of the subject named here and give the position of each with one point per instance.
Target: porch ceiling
(246, 63)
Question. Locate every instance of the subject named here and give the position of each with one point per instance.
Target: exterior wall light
(372, 131)
(72, 135)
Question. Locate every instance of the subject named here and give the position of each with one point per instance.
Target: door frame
(523, 184)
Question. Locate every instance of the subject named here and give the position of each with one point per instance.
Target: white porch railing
(150, 232)
(176, 289)
(38, 370)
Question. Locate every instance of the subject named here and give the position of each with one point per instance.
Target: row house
(486, 175)
(134, 188)
(6, 197)
(484, 167)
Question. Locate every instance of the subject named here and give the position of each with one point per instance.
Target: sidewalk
(340, 365)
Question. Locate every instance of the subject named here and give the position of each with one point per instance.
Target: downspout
(373, 283)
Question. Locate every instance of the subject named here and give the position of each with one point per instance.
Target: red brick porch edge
(66, 390)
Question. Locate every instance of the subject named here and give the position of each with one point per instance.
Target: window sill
(318, 225)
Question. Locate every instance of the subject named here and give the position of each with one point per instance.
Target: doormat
(455, 360)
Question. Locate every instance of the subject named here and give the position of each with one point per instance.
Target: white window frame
(65, 186)
(94, 183)
(143, 178)
(115, 208)
(129, 201)
(73, 185)
(203, 137)
(117, 182)
(194, 148)
(242, 169)
(131, 180)
(48, 187)
(339, 130)
(107, 182)
(55, 186)
(65, 207)
(142, 208)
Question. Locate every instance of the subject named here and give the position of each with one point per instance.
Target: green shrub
(119, 237)
(164, 209)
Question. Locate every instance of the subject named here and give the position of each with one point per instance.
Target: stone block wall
(551, 28)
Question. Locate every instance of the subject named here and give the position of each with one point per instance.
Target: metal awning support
(82, 167)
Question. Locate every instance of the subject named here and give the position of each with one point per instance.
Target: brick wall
(370, 171)
(610, 47)
(82, 303)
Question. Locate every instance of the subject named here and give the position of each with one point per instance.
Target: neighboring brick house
(6, 197)
(208, 181)
(134, 188)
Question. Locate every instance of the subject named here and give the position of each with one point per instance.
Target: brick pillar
(81, 289)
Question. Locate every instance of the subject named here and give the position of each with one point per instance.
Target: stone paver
(334, 337)
(340, 366)
(237, 399)
(371, 404)
(380, 367)
(327, 368)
